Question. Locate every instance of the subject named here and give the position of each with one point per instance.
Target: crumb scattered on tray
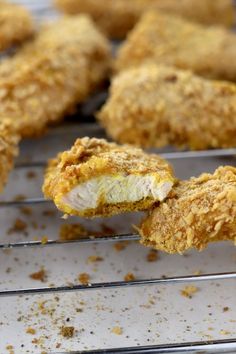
(117, 330)
(189, 291)
(67, 332)
(225, 309)
(19, 226)
(73, 232)
(19, 197)
(30, 330)
(26, 210)
(129, 277)
(31, 174)
(120, 246)
(224, 333)
(44, 240)
(49, 213)
(94, 259)
(41, 275)
(152, 256)
(84, 278)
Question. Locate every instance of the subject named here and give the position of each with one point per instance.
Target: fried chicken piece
(155, 105)
(170, 40)
(197, 212)
(16, 24)
(117, 17)
(50, 75)
(9, 140)
(97, 178)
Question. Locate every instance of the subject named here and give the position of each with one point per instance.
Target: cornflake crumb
(49, 213)
(41, 275)
(224, 333)
(84, 278)
(26, 210)
(129, 277)
(73, 232)
(67, 332)
(30, 330)
(120, 246)
(18, 226)
(225, 309)
(189, 291)
(44, 240)
(117, 330)
(19, 197)
(152, 256)
(94, 259)
(31, 174)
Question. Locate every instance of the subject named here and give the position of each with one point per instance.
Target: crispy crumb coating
(9, 140)
(92, 158)
(155, 105)
(49, 76)
(117, 17)
(197, 212)
(16, 24)
(170, 40)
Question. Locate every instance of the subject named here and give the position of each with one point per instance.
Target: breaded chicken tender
(16, 24)
(197, 212)
(155, 105)
(117, 17)
(50, 75)
(9, 140)
(170, 40)
(97, 178)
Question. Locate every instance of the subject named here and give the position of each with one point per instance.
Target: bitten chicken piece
(9, 140)
(197, 212)
(171, 40)
(97, 178)
(16, 24)
(153, 106)
(117, 17)
(50, 75)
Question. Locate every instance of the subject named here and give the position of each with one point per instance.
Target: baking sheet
(145, 315)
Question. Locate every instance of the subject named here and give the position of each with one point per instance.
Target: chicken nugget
(155, 105)
(16, 24)
(197, 212)
(117, 17)
(171, 40)
(9, 140)
(52, 74)
(97, 178)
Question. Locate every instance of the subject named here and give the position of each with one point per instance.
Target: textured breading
(117, 17)
(91, 160)
(9, 140)
(49, 76)
(155, 105)
(170, 40)
(16, 24)
(197, 212)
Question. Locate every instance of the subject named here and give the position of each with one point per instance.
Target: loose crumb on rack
(67, 332)
(41, 275)
(117, 330)
(44, 240)
(129, 277)
(152, 256)
(73, 232)
(49, 213)
(84, 278)
(26, 210)
(224, 332)
(225, 309)
(19, 226)
(19, 197)
(10, 348)
(31, 174)
(189, 291)
(94, 259)
(30, 330)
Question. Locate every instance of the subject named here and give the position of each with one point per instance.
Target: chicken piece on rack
(45, 80)
(155, 105)
(97, 178)
(117, 17)
(9, 140)
(198, 211)
(16, 24)
(171, 40)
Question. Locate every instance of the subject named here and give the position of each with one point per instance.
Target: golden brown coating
(117, 17)
(16, 24)
(170, 40)
(97, 178)
(9, 140)
(155, 105)
(50, 75)
(197, 212)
